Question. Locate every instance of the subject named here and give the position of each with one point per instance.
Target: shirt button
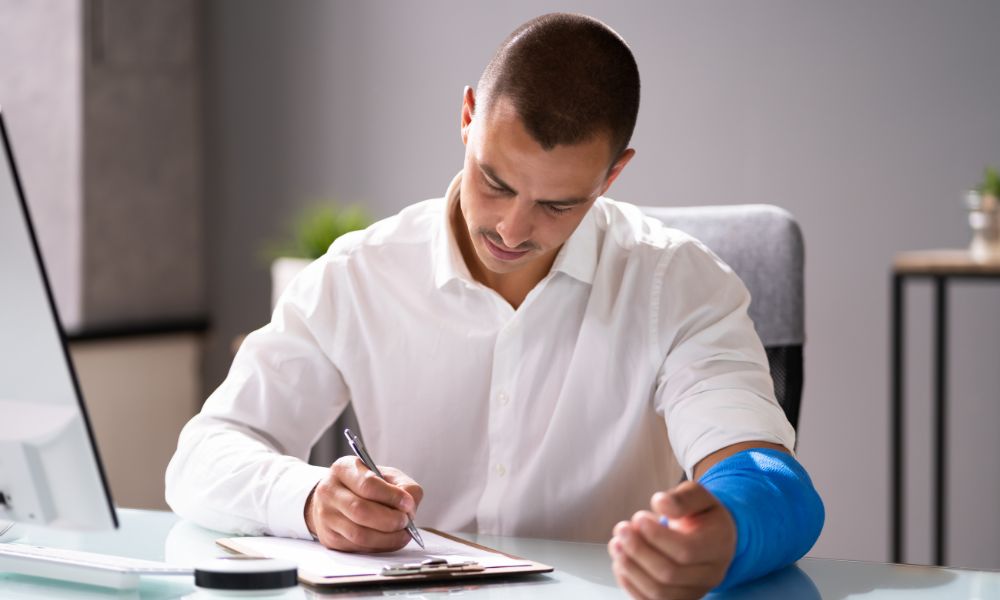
(501, 470)
(503, 398)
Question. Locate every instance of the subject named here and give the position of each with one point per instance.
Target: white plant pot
(283, 271)
(984, 220)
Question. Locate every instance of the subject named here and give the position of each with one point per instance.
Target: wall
(41, 87)
(143, 159)
(866, 120)
(103, 103)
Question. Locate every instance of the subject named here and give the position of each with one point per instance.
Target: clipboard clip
(430, 566)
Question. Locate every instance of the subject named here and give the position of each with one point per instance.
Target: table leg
(940, 416)
(896, 423)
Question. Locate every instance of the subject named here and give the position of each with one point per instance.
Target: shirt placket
(501, 426)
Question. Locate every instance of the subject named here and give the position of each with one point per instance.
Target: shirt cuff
(287, 501)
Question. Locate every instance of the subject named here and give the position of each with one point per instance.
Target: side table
(940, 266)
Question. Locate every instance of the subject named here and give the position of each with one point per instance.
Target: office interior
(163, 144)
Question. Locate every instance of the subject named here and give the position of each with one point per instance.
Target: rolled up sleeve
(713, 385)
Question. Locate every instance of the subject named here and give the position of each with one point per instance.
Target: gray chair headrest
(763, 245)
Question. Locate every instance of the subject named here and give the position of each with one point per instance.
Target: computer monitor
(50, 471)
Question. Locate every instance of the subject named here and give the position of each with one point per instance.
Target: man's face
(519, 201)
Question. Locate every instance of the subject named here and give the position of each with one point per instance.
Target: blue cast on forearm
(777, 512)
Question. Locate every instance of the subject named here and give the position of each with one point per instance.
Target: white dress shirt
(554, 420)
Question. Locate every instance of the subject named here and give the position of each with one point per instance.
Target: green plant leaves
(316, 227)
(990, 185)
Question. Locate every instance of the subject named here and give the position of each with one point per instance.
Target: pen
(361, 452)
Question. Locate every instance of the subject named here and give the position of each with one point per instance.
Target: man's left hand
(683, 559)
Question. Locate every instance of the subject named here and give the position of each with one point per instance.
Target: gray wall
(41, 88)
(143, 219)
(865, 119)
(103, 103)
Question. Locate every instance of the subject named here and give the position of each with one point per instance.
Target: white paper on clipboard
(316, 560)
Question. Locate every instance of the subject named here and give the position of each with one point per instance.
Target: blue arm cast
(777, 511)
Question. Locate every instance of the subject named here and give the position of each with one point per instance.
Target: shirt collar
(448, 261)
(577, 258)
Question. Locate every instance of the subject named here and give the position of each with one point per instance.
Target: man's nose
(515, 226)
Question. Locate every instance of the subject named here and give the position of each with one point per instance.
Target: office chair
(763, 245)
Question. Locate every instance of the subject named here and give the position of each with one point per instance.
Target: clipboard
(410, 573)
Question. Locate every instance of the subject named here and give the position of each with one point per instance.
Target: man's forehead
(501, 112)
(500, 108)
(501, 141)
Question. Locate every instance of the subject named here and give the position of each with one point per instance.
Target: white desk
(582, 571)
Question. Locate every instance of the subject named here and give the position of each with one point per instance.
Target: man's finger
(340, 533)
(630, 589)
(647, 586)
(621, 525)
(404, 481)
(627, 573)
(367, 513)
(626, 585)
(661, 568)
(683, 548)
(685, 500)
(365, 483)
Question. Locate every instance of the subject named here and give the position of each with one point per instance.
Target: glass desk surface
(581, 571)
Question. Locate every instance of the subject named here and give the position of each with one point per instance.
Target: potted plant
(312, 232)
(989, 187)
(984, 217)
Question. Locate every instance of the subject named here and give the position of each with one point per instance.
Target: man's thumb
(685, 500)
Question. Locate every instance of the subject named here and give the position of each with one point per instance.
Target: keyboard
(103, 570)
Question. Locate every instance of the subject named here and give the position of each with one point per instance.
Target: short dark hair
(569, 77)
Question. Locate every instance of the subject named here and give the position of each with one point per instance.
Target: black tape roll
(244, 573)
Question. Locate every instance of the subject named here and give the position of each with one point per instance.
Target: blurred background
(164, 143)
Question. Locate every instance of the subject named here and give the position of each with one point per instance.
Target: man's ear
(616, 168)
(468, 110)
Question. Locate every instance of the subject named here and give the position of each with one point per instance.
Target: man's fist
(354, 510)
(683, 559)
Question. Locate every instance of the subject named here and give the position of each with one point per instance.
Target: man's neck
(512, 287)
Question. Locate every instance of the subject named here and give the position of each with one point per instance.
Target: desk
(940, 266)
(582, 571)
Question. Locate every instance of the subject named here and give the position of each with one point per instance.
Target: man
(525, 349)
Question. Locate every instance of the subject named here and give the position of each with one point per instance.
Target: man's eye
(556, 210)
(495, 188)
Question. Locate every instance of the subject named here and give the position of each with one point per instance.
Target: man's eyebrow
(490, 174)
(564, 201)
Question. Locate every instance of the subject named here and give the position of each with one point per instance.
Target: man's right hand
(353, 510)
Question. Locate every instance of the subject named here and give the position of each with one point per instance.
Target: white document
(313, 558)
